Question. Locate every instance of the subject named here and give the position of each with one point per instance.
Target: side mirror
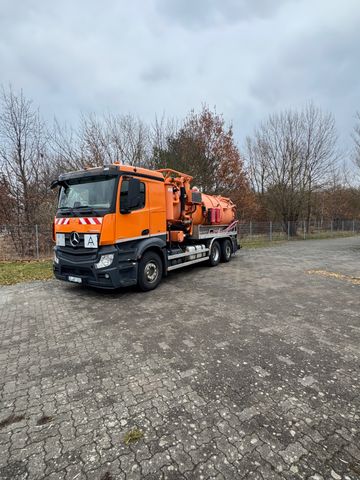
(134, 197)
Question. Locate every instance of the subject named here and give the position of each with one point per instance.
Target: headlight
(105, 261)
(56, 260)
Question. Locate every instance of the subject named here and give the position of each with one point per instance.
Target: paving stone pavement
(247, 370)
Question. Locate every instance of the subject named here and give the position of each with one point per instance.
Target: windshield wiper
(68, 210)
(87, 208)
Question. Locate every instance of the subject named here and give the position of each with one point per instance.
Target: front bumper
(121, 273)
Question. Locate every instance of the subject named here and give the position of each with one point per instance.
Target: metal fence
(34, 242)
(260, 232)
(25, 242)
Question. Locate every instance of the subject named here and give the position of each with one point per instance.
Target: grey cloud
(205, 13)
(321, 67)
(156, 73)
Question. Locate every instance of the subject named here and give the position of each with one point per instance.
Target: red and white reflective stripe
(90, 220)
(62, 221)
(82, 221)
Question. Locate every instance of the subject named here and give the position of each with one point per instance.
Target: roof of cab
(141, 171)
(112, 169)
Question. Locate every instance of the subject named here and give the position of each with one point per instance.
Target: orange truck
(120, 225)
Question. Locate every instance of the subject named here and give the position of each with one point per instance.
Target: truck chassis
(208, 234)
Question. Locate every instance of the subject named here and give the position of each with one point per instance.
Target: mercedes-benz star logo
(75, 239)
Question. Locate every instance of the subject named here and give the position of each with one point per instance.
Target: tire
(215, 254)
(150, 271)
(226, 250)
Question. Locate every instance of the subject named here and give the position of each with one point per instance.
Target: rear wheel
(226, 250)
(150, 271)
(215, 254)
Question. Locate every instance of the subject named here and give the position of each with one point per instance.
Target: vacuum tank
(186, 206)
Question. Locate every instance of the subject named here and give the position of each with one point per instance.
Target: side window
(124, 196)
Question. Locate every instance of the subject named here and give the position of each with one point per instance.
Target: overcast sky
(247, 57)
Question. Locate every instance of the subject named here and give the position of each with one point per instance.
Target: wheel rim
(151, 272)
(228, 251)
(216, 253)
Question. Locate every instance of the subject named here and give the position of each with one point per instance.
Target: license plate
(74, 279)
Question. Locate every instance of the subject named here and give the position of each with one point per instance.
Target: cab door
(133, 214)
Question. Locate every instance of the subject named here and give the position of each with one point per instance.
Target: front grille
(75, 255)
(81, 271)
(71, 252)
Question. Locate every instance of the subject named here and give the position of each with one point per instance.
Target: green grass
(133, 436)
(25, 271)
(261, 241)
(324, 235)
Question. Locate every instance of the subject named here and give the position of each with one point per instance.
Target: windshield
(96, 193)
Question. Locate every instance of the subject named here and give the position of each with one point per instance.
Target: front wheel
(214, 254)
(150, 271)
(226, 250)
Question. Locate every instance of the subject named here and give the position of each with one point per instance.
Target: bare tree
(101, 140)
(66, 147)
(257, 164)
(22, 153)
(163, 129)
(24, 163)
(96, 141)
(292, 155)
(356, 138)
(130, 138)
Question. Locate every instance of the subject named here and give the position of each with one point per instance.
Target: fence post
(304, 229)
(288, 230)
(37, 241)
(342, 225)
(250, 229)
(331, 227)
(270, 231)
(353, 226)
